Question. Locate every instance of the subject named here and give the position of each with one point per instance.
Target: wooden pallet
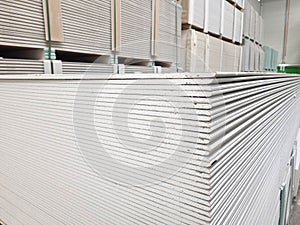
(191, 27)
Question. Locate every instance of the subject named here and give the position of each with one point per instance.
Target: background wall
(273, 12)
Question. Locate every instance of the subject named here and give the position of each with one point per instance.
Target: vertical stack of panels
(21, 67)
(22, 23)
(136, 23)
(246, 55)
(228, 57)
(238, 26)
(202, 52)
(214, 54)
(253, 56)
(238, 58)
(257, 35)
(252, 24)
(139, 69)
(27, 67)
(261, 59)
(83, 68)
(193, 12)
(247, 19)
(227, 24)
(86, 26)
(213, 22)
(214, 148)
(193, 54)
(168, 45)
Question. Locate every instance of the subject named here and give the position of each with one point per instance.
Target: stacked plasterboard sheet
(85, 29)
(252, 24)
(247, 19)
(193, 12)
(257, 35)
(274, 59)
(256, 55)
(201, 52)
(238, 58)
(261, 26)
(214, 54)
(137, 148)
(227, 24)
(271, 59)
(261, 59)
(168, 44)
(194, 46)
(246, 55)
(86, 26)
(21, 67)
(98, 68)
(228, 57)
(83, 68)
(268, 57)
(135, 34)
(252, 56)
(213, 17)
(238, 26)
(231, 57)
(22, 23)
(139, 69)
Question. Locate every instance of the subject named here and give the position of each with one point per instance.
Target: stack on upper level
(215, 26)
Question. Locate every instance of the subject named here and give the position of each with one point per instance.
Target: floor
(296, 211)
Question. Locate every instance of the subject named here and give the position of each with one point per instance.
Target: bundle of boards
(218, 17)
(97, 27)
(146, 148)
(21, 67)
(28, 67)
(204, 53)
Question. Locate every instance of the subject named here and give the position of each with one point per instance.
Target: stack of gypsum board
(139, 69)
(135, 29)
(22, 23)
(209, 159)
(84, 28)
(21, 67)
(83, 68)
(193, 13)
(98, 68)
(227, 24)
(193, 51)
(169, 31)
(213, 17)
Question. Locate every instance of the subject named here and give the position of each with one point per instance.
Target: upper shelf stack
(22, 23)
(86, 27)
(146, 148)
(122, 31)
(206, 22)
(168, 43)
(135, 29)
(253, 51)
